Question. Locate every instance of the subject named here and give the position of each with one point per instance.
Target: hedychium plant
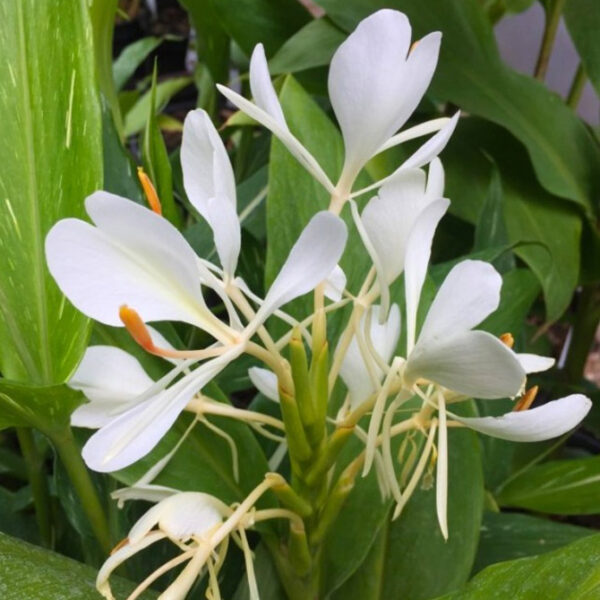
(402, 380)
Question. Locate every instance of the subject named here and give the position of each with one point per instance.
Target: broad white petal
(210, 184)
(311, 260)
(389, 217)
(181, 516)
(132, 257)
(134, 433)
(418, 252)
(375, 84)
(536, 424)
(384, 338)
(473, 363)
(261, 87)
(265, 382)
(302, 155)
(335, 284)
(470, 292)
(533, 363)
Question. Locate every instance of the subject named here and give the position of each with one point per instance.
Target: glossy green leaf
(135, 119)
(156, 160)
(551, 228)
(583, 22)
(32, 573)
(570, 573)
(248, 22)
(505, 536)
(410, 559)
(131, 58)
(42, 407)
(294, 196)
(312, 46)
(563, 487)
(51, 159)
(471, 75)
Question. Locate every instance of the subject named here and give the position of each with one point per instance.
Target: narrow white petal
(418, 251)
(210, 184)
(132, 257)
(136, 432)
(389, 217)
(533, 363)
(302, 155)
(441, 484)
(311, 260)
(265, 382)
(335, 284)
(180, 516)
(384, 338)
(425, 128)
(261, 87)
(435, 180)
(375, 84)
(534, 425)
(470, 292)
(148, 492)
(473, 363)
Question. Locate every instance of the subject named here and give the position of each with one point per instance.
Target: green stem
(70, 454)
(552, 20)
(584, 331)
(37, 480)
(577, 87)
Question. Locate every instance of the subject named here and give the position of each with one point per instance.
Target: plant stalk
(70, 454)
(552, 21)
(37, 480)
(577, 87)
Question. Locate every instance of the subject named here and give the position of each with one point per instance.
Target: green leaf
(50, 160)
(410, 559)
(294, 196)
(505, 536)
(266, 577)
(550, 226)
(583, 22)
(490, 231)
(135, 119)
(571, 573)
(312, 46)
(42, 407)
(249, 22)
(563, 487)
(31, 572)
(131, 58)
(472, 76)
(156, 160)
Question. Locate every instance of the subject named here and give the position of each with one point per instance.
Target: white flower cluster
(131, 267)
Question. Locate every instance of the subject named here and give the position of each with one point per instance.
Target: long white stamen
(441, 489)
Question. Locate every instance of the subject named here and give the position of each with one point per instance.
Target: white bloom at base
(265, 382)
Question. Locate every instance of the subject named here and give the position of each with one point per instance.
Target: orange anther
(526, 399)
(136, 327)
(149, 191)
(507, 339)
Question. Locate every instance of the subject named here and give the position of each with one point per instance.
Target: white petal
(384, 337)
(335, 284)
(535, 425)
(389, 217)
(311, 260)
(470, 292)
(418, 252)
(132, 257)
(375, 85)
(435, 180)
(265, 382)
(180, 516)
(210, 184)
(134, 433)
(111, 379)
(148, 492)
(261, 87)
(302, 155)
(532, 363)
(473, 363)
